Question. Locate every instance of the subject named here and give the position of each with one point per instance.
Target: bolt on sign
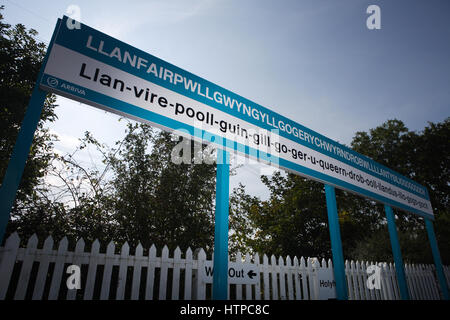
(91, 67)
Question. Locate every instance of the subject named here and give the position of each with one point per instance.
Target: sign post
(437, 259)
(336, 244)
(19, 155)
(396, 252)
(220, 275)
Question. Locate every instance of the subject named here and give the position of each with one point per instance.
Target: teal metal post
(220, 275)
(396, 252)
(336, 244)
(437, 258)
(19, 155)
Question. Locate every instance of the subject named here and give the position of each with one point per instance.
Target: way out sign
(238, 273)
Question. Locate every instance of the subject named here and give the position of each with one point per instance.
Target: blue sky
(312, 61)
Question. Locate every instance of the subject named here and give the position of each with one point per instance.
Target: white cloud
(150, 13)
(66, 143)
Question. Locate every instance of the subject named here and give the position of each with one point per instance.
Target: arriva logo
(52, 82)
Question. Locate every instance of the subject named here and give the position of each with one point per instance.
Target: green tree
(157, 201)
(243, 228)
(423, 157)
(431, 157)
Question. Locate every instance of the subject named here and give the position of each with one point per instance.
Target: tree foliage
(139, 196)
(157, 201)
(425, 158)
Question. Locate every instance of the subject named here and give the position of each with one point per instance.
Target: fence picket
(123, 268)
(258, 283)
(364, 277)
(248, 287)
(8, 260)
(150, 273)
(238, 259)
(360, 281)
(58, 269)
(393, 276)
(304, 279)
(313, 265)
(188, 275)
(282, 278)
(417, 283)
(354, 280)
(388, 283)
(107, 271)
(43, 268)
(289, 278)
(434, 289)
(296, 272)
(434, 285)
(427, 283)
(423, 280)
(394, 282)
(410, 279)
(137, 268)
(425, 287)
(176, 274)
(377, 292)
(25, 272)
(348, 274)
(412, 276)
(92, 270)
(273, 263)
(370, 293)
(266, 291)
(201, 288)
(163, 273)
(79, 249)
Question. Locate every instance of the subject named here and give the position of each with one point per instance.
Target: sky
(313, 61)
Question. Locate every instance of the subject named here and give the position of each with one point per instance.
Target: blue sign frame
(96, 45)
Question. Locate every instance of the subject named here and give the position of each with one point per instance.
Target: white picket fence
(421, 280)
(40, 273)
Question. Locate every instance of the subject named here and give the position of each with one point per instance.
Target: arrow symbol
(251, 274)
